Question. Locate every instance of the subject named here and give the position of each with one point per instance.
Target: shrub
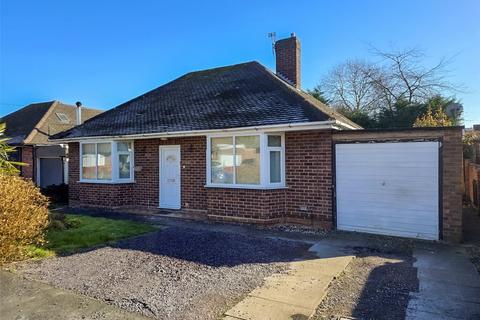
(58, 221)
(437, 118)
(57, 193)
(23, 217)
(470, 140)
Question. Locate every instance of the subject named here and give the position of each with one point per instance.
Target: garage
(389, 188)
(50, 171)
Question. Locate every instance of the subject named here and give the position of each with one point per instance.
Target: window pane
(222, 160)
(275, 169)
(247, 150)
(274, 141)
(124, 166)
(88, 161)
(124, 146)
(104, 161)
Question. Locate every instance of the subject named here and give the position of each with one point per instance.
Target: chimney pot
(287, 54)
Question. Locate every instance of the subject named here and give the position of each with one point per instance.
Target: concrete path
(296, 293)
(22, 299)
(449, 285)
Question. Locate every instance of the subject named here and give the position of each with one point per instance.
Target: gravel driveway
(175, 273)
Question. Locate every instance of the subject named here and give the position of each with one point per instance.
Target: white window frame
(282, 159)
(115, 165)
(264, 161)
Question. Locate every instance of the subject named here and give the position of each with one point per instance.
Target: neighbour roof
(241, 95)
(35, 123)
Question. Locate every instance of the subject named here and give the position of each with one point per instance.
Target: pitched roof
(241, 95)
(35, 123)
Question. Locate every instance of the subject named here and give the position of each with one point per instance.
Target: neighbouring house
(243, 144)
(29, 130)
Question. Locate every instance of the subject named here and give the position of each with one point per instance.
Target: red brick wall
(27, 171)
(192, 164)
(145, 191)
(452, 158)
(308, 161)
(93, 194)
(246, 203)
(73, 175)
(307, 198)
(308, 171)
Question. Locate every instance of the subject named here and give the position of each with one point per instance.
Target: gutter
(329, 124)
(342, 125)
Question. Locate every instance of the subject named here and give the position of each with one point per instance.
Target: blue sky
(104, 53)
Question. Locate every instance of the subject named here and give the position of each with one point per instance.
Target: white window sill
(107, 181)
(244, 186)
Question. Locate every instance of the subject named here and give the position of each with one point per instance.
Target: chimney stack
(79, 112)
(287, 53)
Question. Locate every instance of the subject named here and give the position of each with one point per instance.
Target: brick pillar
(452, 185)
(27, 158)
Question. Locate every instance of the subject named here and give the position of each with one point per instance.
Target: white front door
(170, 177)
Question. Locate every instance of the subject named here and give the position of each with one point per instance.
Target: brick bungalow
(242, 144)
(29, 129)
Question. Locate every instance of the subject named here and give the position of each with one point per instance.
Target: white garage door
(388, 188)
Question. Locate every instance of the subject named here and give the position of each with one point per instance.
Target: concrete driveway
(449, 285)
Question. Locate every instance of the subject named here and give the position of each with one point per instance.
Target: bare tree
(349, 86)
(402, 75)
(399, 76)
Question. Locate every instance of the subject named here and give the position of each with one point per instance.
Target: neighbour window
(62, 117)
(107, 161)
(237, 161)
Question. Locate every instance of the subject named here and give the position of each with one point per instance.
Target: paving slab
(327, 266)
(254, 308)
(23, 299)
(296, 293)
(296, 290)
(449, 285)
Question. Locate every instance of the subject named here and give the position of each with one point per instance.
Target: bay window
(106, 162)
(245, 161)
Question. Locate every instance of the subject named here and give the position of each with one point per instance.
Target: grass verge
(84, 232)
